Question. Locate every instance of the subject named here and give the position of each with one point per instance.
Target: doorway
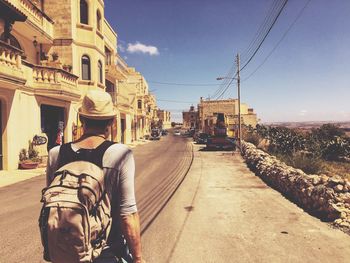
(122, 128)
(52, 124)
(1, 154)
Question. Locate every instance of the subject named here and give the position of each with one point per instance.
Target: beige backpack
(76, 215)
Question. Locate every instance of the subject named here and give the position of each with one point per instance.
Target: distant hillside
(308, 125)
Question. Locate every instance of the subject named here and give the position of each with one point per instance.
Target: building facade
(51, 54)
(190, 119)
(164, 119)
(208, 109)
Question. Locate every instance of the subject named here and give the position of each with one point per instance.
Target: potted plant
(29, 159)
(54, 56)
(67, 67)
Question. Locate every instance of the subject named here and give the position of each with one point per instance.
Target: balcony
(141, 112)
(37, 24)
(123, 103)
(54, 82)
(115, 72)
(11, 72)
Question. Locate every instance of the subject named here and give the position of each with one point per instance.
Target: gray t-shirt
(119, 168)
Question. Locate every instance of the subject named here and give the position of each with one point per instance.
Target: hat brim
(98, 117)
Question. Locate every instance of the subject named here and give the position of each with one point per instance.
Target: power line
(180, 84)
(177, 101)
(261, 29)
(279, 42)
(266, 34)
(273, 12)
(255, 44)
(223, 93)
(226, 79)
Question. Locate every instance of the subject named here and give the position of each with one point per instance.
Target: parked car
(177, 133)
(192, 131)
(220, 143)
(155, 134)
(202, 138)
(186, 133)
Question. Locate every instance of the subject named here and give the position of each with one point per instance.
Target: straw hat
(97, 105)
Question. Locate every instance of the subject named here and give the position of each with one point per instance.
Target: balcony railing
(11, 69)
(53, 76)
(54, 82)
(10, 56)
(115, 72)
(35, 15)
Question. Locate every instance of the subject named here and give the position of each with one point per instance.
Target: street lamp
(239, 100)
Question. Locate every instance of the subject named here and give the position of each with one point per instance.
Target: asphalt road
(160, 167)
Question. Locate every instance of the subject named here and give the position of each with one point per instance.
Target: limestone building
(51, 53)
(208, 109)
(164, 119)
(190, 119)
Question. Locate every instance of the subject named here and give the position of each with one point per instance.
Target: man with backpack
(89, 209)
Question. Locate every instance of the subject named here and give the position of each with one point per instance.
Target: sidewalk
(224, 213)
(15, 176)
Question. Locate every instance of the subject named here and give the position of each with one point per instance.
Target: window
(84, 17)
(108, 55)
(139, 104)
(85, 66)
(100, 71)
(98, 19)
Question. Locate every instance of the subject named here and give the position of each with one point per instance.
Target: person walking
(96, 114)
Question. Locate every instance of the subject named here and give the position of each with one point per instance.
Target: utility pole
(239, 101)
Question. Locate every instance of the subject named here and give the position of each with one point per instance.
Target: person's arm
(51, 164)
(130, 225)
(129, 217)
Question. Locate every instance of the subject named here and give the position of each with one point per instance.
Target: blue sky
(195, 41)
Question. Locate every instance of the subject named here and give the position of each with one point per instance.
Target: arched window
(84, 17)
(85, 68)
(100, 71)
(98, 19)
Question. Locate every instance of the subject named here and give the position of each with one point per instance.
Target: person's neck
(94, 132)
(90, 140)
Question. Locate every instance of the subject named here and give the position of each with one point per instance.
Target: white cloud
(141, 48)
(303, 112)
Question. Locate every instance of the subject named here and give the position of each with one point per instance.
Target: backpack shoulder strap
(100, 151)
(65, 155)
(95, 156)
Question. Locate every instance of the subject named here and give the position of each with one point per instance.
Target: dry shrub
(309, 164)
(253, 138)
(339, 168)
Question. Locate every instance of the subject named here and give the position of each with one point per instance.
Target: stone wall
(327, 197)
